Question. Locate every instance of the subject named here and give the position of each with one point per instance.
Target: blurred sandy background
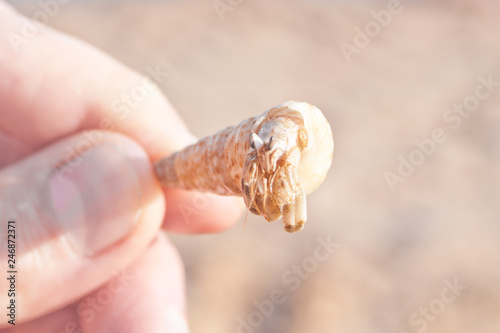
(396, 248)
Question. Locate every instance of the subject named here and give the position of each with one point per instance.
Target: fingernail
(96, 197)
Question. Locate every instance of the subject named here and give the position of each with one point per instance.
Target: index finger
(53, 85)
(63, 85)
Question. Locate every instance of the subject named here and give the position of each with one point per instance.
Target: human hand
(76, 176)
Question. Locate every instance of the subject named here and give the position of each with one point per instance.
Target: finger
(195, 212)
(62, 320)
(83, 89)
(152, 300)
(147, 296)
(101, 94)
(81, 213)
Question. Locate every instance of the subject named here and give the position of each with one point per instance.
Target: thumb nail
(96, 198)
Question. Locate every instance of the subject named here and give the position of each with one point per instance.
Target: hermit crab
(273, 161)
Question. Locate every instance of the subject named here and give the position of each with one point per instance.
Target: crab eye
(255, 141)
(271, 143)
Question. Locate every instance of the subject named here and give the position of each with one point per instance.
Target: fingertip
(196, 212)
(150, 189)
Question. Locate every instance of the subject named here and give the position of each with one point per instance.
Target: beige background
(396, 249)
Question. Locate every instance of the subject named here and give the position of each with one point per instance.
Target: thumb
(83, 208)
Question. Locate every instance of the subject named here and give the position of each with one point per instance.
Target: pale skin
(60, 87)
